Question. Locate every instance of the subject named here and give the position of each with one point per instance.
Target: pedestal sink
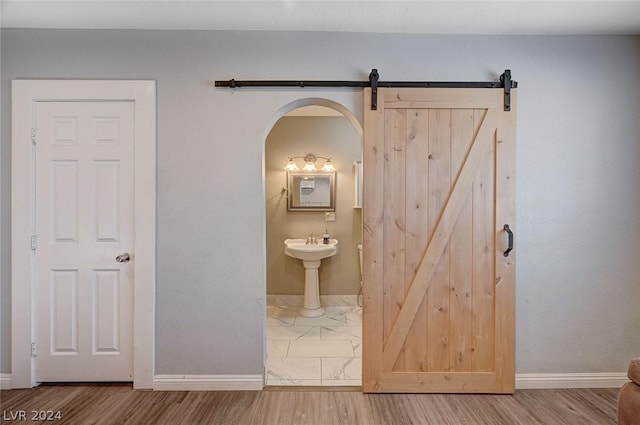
(311, 256)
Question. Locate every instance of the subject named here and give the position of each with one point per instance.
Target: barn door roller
(508, 84)
(505, 83)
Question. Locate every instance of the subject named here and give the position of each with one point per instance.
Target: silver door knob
(123, 258)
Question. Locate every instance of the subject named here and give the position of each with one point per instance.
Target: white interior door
(84, 218)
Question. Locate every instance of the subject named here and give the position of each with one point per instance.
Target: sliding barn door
(439, 289)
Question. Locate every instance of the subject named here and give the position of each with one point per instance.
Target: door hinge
(33, 136)
(34, 242)
(34, 351)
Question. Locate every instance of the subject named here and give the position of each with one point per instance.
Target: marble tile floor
(318, 351)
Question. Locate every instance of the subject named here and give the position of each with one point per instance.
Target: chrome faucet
(311, 240)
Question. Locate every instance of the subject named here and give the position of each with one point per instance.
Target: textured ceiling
(425, 16)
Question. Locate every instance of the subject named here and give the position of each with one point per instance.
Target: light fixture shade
(291, 166)
(328, 166)
(309, 166)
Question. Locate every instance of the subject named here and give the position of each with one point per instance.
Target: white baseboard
(530, 381)
(524, 381)
(5, 381)
(208, 382)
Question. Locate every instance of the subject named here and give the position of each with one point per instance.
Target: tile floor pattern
(318, 351)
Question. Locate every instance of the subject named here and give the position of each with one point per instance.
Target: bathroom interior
(311, 340)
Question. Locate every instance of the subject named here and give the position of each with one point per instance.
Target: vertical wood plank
(505, 266)
(461, 290)
(438, 242)
(438, 292)
(483, 254)
(417, 203)
(373, 226)
(394, 221)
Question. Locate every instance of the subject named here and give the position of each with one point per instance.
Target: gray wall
(333, 137)
(5, 302)
(578, 199)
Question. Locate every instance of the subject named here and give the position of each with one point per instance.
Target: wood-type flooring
(119, 404)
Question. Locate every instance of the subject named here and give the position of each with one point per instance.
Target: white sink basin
(297, 248)
(311, 256)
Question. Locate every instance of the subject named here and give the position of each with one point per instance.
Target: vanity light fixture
(309, 163)
(328, 166)
(291, 165)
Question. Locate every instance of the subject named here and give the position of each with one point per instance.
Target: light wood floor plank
(118, 404)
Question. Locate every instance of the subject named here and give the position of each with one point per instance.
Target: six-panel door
(84, 219)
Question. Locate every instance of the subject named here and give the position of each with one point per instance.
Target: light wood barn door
(438, 289)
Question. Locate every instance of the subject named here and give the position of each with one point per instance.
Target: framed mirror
(311, 191)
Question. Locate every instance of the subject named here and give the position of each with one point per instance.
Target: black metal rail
(505, 83)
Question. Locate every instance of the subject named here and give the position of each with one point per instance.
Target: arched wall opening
(336, 135)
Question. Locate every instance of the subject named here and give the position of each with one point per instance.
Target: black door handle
(510, 233)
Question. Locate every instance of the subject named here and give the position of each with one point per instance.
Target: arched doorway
(322, 350)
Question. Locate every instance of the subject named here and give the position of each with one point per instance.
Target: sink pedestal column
(311, 290)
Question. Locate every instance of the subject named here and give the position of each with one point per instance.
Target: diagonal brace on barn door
(418, 287)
